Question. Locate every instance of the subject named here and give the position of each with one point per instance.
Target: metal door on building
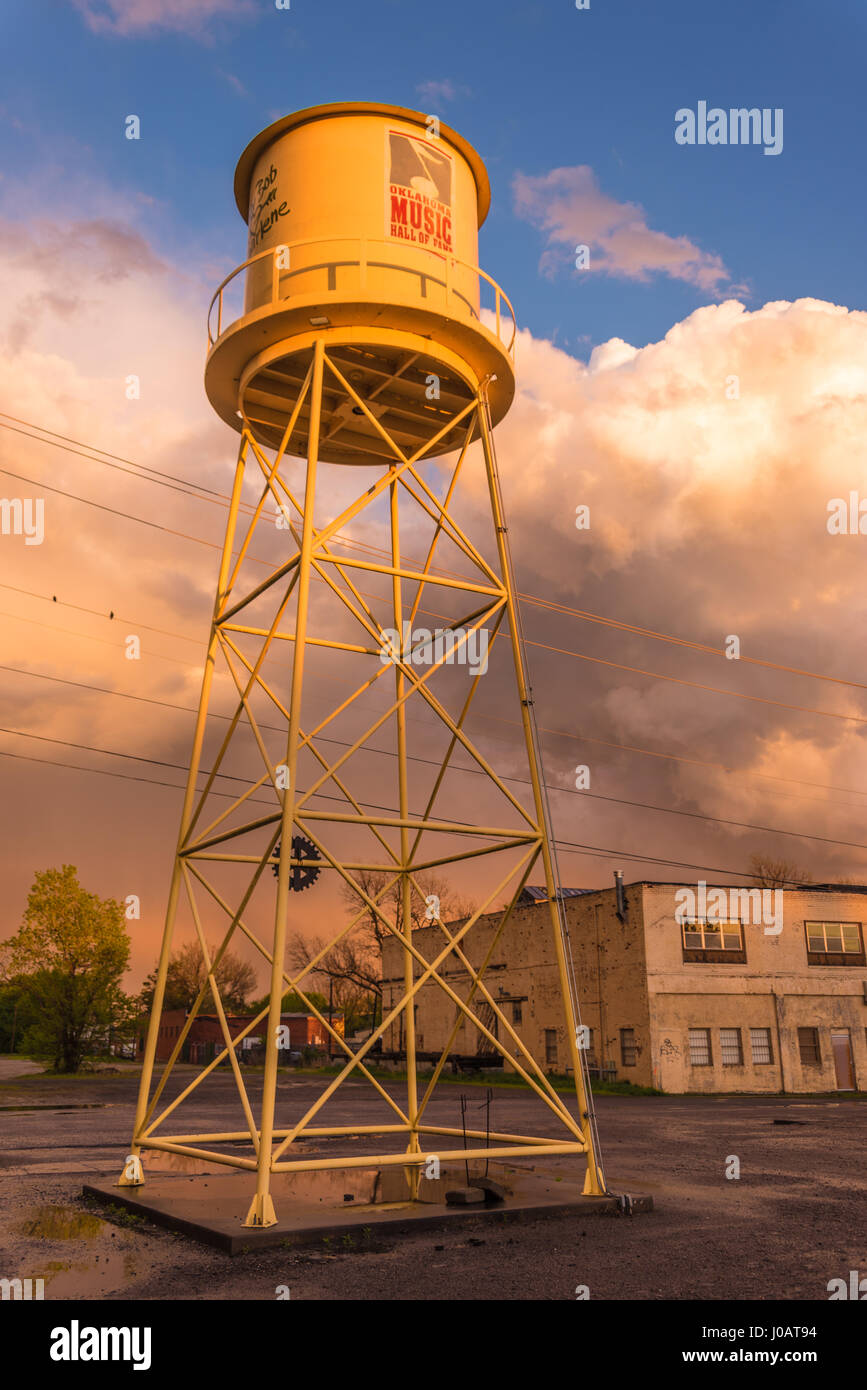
(841, 1045)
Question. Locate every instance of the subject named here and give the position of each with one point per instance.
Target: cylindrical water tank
(363, 227)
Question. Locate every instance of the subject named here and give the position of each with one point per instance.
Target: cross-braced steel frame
(490, 594)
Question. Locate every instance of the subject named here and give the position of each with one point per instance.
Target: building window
(730, 1051)
(760, 1046)
(699, 1047)
(517, 1012)
(834, 943)
(627, 1047)
(551, 1046)
(714, 942)
(808, 1045)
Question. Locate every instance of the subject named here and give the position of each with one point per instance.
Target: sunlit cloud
(570, 207)
(130, 18)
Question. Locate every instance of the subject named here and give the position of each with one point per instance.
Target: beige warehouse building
(682, 990)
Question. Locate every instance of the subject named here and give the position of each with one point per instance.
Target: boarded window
(808, 1046)
(760, 1046)
(699, 1047)
(731, 1053)
(627, 1047)
(517, 1012)
(551, 1046)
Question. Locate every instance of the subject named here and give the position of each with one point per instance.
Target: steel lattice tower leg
(492, 591)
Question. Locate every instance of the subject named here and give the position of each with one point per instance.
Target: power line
(600, 661)
(635, 670)
(568, 611)
(91, 450)
(718, 820)
(98, 613)
(522, 781)
(168, 479)
(568, 845)
(185, 486)
(562, 733)
(561, 651)
(88, 637)
(114, 511)
(695, 685)
(598, 851)
(134, 757)
(700, 762)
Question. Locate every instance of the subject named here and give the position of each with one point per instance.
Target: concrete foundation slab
(212, 1207)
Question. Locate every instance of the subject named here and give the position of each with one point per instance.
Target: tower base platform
(356, 1208)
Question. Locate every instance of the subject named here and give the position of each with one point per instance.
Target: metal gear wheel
(300, 876)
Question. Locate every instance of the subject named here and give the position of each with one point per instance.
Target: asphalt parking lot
(791, 1222)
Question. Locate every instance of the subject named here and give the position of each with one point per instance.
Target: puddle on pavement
(60, 1223)
(96, 1265)
(86, 1278)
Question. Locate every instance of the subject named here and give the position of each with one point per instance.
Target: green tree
(71, 951)
(292, 1003)
(186, 975)
(17, 1013)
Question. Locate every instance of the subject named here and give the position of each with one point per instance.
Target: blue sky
(535, 86)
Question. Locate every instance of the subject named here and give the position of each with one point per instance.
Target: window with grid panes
(808, 1046)
(712, 941)
(760, 1046)
(834, 943)
(730, 1047)
(699, 1047)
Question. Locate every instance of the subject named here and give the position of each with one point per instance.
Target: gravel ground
(791, 1222)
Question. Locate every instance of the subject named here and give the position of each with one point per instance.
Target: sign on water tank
(419, 201)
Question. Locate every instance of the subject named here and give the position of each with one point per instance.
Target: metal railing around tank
(504, 313)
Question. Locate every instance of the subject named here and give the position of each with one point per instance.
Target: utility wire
(549, 605)
(695, 685)
(562, 733)
(568, 845)
(194, 489)
(342, 743)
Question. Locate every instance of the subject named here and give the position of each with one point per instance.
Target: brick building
(205, 1038)
(676, 992)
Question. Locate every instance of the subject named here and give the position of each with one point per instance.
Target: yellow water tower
(360, 331)
(363, 224)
